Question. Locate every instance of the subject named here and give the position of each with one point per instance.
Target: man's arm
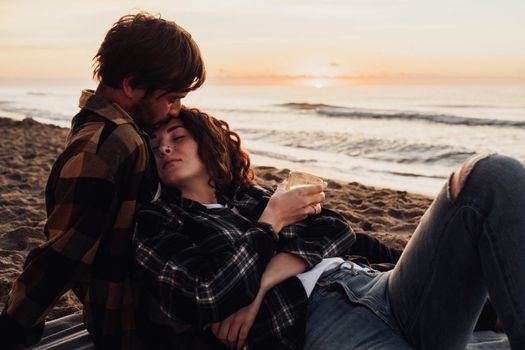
(83, 203)
(84, 210)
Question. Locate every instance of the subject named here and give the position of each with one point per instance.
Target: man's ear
(131, 92)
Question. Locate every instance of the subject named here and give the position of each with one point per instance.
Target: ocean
(403, 137)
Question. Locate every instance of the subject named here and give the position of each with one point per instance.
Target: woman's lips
(166, 163)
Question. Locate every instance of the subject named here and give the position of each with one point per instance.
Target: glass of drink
(299, 178)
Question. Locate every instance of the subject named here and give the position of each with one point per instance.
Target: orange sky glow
(317, 43)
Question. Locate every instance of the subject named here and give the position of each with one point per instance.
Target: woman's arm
(282, 266)
(190, 282)
(204, 282)
(318, 237)
(234, 330)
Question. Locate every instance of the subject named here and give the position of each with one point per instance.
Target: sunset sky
(285, 41)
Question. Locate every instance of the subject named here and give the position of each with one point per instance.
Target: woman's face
(176, 156)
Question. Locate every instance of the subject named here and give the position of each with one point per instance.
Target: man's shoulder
(95, 134)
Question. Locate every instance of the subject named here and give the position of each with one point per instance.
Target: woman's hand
(287, 207)
(234, 330)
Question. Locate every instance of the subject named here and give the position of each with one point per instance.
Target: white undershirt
(219, 206)
(310, 278)
(214, 205)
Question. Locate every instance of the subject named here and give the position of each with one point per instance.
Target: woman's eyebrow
(174, 127)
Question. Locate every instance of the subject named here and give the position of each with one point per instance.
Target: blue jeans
(469, 245)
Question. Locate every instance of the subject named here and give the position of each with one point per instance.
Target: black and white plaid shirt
(201, 265)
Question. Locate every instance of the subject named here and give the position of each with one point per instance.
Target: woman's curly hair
(220, 150)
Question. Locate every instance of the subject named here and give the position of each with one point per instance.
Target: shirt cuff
(264, 240)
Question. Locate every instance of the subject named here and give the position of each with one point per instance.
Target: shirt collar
(172, 195)
(111, 111)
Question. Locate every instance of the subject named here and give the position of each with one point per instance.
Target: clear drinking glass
(299, 178)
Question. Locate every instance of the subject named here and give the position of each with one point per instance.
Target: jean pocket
(332, 276)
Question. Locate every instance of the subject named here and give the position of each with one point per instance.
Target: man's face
(156, 107)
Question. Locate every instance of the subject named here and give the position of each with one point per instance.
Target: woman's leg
(334, 322)
(470, 241)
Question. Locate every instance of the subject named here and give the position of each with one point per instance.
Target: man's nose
(175, 108)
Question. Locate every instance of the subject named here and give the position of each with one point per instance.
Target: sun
(318, 83)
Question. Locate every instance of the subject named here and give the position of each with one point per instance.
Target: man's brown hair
(153, 52)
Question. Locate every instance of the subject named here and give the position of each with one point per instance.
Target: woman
(226, 256)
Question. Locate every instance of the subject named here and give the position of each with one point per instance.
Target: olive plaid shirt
(91, 197)
(201, 264)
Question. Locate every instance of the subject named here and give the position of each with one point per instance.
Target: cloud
(43, 47)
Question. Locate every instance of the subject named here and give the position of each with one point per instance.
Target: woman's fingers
(228, 330)
(243, 334)
(312, 209)
(308, 190)
(317, 209)
(233, 333)
(223, 331)
(315, 199)
(286, 208)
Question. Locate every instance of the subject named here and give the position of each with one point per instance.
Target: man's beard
(143, 114)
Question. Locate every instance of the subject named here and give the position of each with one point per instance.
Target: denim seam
(367, 302)
(493, 239)
(426, 289)
(471, 206)
(459, 207)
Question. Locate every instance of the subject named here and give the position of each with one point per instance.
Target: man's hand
(287, 207)
(234, 330)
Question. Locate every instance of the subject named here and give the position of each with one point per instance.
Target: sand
(28, 150)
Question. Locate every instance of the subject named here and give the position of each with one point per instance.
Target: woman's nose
(165, 149)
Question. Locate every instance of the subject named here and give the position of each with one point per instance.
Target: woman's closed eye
(178, 138)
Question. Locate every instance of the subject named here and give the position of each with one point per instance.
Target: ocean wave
(34, 112)
(308, 106)
(281, 156)
(356, 113)
(400, 173)
(385, 150)
(47, 93)
(466, 106)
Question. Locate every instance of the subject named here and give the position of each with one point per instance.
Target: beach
(28, 150)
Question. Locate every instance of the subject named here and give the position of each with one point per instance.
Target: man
(145, 65)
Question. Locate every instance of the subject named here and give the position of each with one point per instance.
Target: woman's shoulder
(152, 219)
(158, 209)
(258, 190)
(157, 205)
